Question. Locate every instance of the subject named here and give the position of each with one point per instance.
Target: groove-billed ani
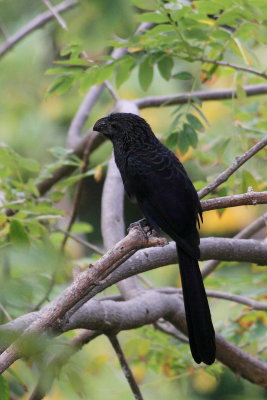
(154, 176)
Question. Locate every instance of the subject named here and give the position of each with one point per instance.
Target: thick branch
(36, 23)
(211, 95)
(148, 308)
(151, 258)
(249, 198)
(245, 233)
(151, 306)
(76, 292)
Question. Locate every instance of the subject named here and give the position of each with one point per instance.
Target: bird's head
(124, 127)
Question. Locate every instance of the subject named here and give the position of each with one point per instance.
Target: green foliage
(167, 58)
(4, 389)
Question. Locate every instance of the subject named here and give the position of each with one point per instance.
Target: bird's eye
(114, 125)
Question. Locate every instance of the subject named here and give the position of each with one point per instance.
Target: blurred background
(33, 122)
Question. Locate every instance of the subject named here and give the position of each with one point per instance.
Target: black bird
(154, 176)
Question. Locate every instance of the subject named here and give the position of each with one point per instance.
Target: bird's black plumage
(154, 176)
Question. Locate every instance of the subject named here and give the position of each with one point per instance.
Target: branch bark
(244, 199)
(211, 95)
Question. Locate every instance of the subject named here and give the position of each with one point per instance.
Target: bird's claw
(144, 227)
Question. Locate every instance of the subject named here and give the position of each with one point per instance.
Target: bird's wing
(166, 196)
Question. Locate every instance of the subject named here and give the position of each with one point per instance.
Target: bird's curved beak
(101, 126)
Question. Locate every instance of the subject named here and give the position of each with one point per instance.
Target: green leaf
(175, 121)
(165, 66)
(209, 7)
(184, 75)
(56, 196)
(61, 85)
(194, 122)
(18, 234)
(200, 113)
(81, 227)
(75, 61)
(145, 73)
(145, 4)
(172, 140)
(152, 17)
(4, 388)
(88, 79)
(183, 142)
(104, 73)
(123, 71)
(191, 134)
(248, 181)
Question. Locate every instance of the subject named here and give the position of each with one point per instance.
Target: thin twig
(234, 66)
(234, 167)
(85, 243)
(125, 367)
(74, 213)
(78, 192)
(5, 312)
(111, 91)
(236, 298)
(57, 16)
(36, 23)
(253, 304)
(209, 95)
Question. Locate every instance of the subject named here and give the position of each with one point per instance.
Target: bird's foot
(144, 227)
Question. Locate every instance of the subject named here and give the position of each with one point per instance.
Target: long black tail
(199, 324)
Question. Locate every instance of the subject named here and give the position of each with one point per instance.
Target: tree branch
(244, 199)
(149, 307)
(57, 16)
(253, 304)
(125, 367)
(234, 66)
(64, 171)
(211, 95)
(36, 23)
(245, 233)
(240, 160)
(236, 298)
(147, 259)
(85, 281)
